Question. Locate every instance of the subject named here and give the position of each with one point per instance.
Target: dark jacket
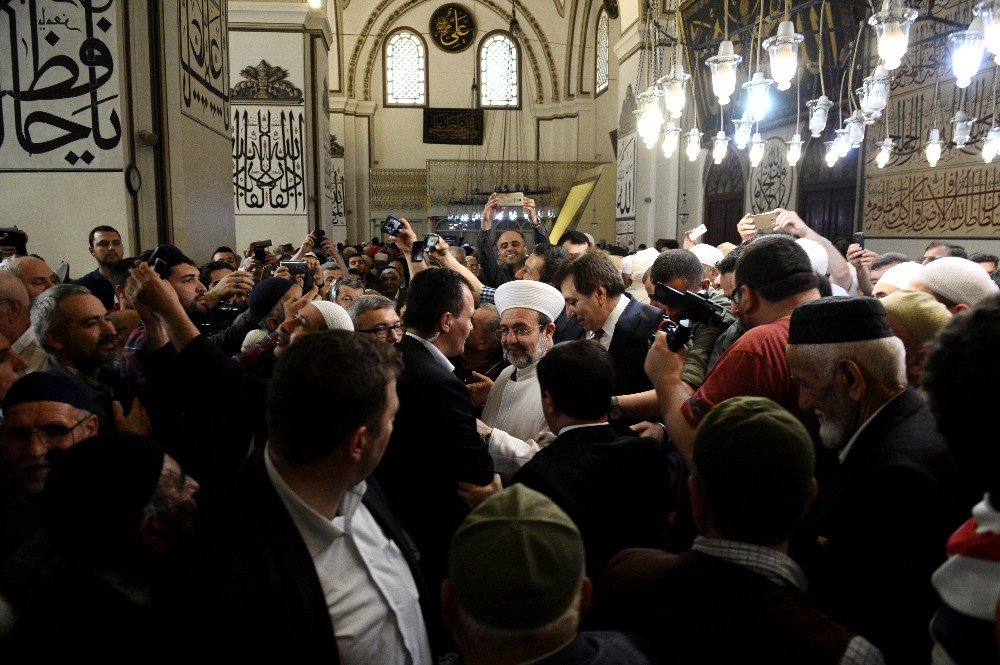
(100, 287)
(629, 346)
(486, 250)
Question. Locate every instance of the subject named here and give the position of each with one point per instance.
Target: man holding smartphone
(511, 247)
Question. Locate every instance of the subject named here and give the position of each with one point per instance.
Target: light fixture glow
(316, 4)
(892, 28)
(818, 110)
(758, 96)
(933, 147)
(873, 96)
(693, 144)
(723, 68)
(794, 149)
(989, 11)
(961, 128)
(831, 153)
(991, 146)
(855, 126)
(783, 54)
(674, 86)
(743, 130)
(842, 142)
(885, 152)
(720, 145)
(649, 117)
(756, 150)
(966, 52)
(671, 139)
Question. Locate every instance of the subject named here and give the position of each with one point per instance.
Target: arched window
(499, 71)
(603, 53)
(405, 59)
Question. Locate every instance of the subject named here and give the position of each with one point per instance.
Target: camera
(295, 267)
(158, 265)
(260, 251)
(431, 242)
(319, 235)
(695, 307)
(510, 199)
(391, 226)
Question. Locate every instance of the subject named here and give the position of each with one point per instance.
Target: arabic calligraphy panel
(60, 106)
(453, 28)
(771, 183)
(204, 57)
(269, 160)
(456, 126)
(334, 184)
(625, 182)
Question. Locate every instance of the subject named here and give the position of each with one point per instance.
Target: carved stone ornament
(264, 82)
(336, 150)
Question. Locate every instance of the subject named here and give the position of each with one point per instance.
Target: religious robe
(514, 411)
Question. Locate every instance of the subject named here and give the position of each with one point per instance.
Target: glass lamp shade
(743, 130)
(885, 152)
(831, 153)
(693, 144)
(961, 128)
(674, 90)
(723, 68)
(967, 52)
(758, 96)
(855, 126)
(818, 111)
(933, 147)
(874, 95)
(842, 141)
(671, 139)
(720, 145)
(756, 150)
(991, 146)
(892, 29)
(649, 118)
(783, 54)
(794, 149)
(989, 11)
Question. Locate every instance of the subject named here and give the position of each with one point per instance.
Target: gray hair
(45, 313)
(13, 288)
(13, 264)
(458, 253)
(884, 358)
(392, 270)
(368, 304)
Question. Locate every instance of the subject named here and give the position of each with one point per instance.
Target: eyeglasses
(50, 435)
(737, 294)
(383, 331)
(519, 331)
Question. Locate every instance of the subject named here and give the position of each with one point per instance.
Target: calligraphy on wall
(59, 88)
(771, 183)
(204, 58)
(909, 198)
(269, 160)
(334, 185)
(453, 28)
(625, 191)
(456, 126)
(265, 83)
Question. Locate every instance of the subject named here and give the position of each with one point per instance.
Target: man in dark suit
(434, 443)
(870, 546)
(595, 296)
(618, 490)
(306, 558)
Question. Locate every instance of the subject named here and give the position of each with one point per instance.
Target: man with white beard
(513, 424)
(870, 544)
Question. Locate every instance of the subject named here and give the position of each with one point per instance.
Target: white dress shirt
(611, 322)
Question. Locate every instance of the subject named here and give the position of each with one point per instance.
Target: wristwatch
(615, 410)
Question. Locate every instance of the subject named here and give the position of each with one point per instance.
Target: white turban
(530, 294)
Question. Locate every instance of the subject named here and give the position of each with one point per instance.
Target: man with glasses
(375, 315)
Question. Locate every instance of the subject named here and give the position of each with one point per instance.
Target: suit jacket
(629, 346)
(870, 545)
(618, 490)
(568, 329)
(249, 583)
(434, 445)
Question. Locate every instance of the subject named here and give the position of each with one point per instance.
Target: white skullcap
(958, 280)
(627, 265)
(336, 317)
(591, 239)
(817, 255)
(381, 257)
(709, 255)
(900, 275)
(643, 260)
(530, 294)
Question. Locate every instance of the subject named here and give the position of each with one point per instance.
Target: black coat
(629, 346)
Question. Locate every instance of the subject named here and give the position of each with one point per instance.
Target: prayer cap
(836, 320)
(47, 387)
(530, 294)
(956, 279)
(707, 254)
(754, 423)
(817, 255)
(643, 260)
(918, 312)
(266, 295)
(336, 317)
(626, 266)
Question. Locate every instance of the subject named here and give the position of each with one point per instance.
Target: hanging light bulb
(855, 126)
(966, 52)
(783, 53)
(989, 11)
(671, 139)
(794, 149)
(991, 146)
(756, 150)
(720, 145)
(818, 111)
(758, 96)
(674, 86)
(842, 141)
(649, 117)
(723, 68)
(874, 95)
(892, 28)
(885, 152)
(693, 144)
(743, 130)
(962, 128)
(933, 147)
(831, 153)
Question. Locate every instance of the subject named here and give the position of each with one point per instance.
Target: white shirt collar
(846, 449)
(612, 320)
(26, 338)
(571, 427)
(436, 352)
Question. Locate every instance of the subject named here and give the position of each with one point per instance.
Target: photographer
(510, 250)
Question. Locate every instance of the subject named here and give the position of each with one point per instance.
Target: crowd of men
(520, 452)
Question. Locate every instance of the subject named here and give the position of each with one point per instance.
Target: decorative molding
(265, 82)
(336, 150)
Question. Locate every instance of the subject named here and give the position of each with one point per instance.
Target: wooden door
(829, 211)
(722, 213)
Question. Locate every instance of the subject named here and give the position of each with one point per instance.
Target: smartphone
(511, 200)
(260, 251)
(431, 241)
(698, 232)
(764, 221)
(859, 239)
(319, 235)
(158, 265)
(417, 256)
(391, 226)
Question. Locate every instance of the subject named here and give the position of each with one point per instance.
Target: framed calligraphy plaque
(455, 126)
(204, 58)
(453, 28)
(269, 160)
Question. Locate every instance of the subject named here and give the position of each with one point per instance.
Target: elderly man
(376, 316)
(871, 543)
(347, 291)
(33, 272)
(107, 249)
(513, 422)
(511, 244)
(916, 318)
(313, 317)
(15, 321)
(12, 368)
(392, 287)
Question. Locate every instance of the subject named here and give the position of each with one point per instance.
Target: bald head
(15, 306)
(34, 273)
(512, 249)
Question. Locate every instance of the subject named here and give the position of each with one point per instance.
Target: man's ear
(357, 441)
(548, 405)
(550, 329)
(54, 340)
(92, 252)
(853, 379)
(601, 293)
(152, 534)
(445, 322)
